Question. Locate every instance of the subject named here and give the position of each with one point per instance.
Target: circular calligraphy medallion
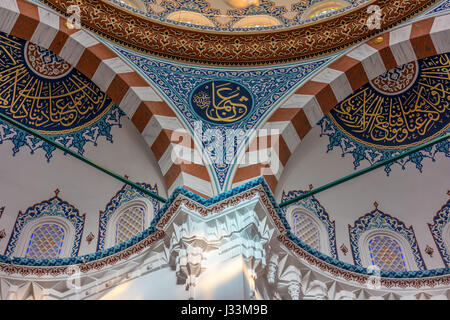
(221, 102)
(396, 80)
(45, 93)
(45, 63)
(399, 114)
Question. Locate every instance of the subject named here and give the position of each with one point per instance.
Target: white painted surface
(408, 195)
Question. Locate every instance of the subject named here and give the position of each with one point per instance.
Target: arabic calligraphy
(395, 121)
(221, 102)
(44, 92)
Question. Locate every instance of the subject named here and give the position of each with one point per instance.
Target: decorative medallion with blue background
(45, 93)
(221, 102)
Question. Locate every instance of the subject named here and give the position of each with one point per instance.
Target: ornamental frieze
(290, 44)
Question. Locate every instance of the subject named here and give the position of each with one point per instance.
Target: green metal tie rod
(80, 157)
(366, 170)
(159, 198)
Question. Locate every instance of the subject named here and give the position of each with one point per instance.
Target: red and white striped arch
(151, 115)
(330, 86)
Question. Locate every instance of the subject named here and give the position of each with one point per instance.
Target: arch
(123, 199)
(152, 116)
(115, 220)
(134, 4)
(322, 8)
(378, 223)
(254, 21)
(440, 230)
(405, 248)
(190, 17)
(68, 241)
(54, 210)
(314, 210)
(314, 99)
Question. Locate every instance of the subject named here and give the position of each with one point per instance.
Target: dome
(261, 150)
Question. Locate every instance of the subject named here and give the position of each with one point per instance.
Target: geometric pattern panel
(311, 204)
(130, 224)
(440, 221)
(386, 254)
(124, 195)
(52, 207)
(377, 219)
(306, 230)
(45, 242)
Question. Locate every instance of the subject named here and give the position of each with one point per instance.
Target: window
(257, 21)
(386, 253)
(306, 229)
(190, 17)
(130, 223)
(46, 242)
(323, 8)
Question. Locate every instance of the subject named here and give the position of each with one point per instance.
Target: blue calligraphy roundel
(221, 102)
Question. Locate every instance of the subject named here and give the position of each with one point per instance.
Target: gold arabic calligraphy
(225, 105)
(398, 120)
(50, 107)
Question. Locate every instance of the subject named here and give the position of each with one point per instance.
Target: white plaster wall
(408, 195)
(27, 179)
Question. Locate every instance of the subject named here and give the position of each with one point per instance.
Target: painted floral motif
(76, 141)
(362, 153)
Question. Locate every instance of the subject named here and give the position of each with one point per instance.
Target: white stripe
(107, 70)
(47, 28)
(338, 82)
(170, 123)
(177, 154)
(75, 45)
(8, 15)
(287, 131)
(130, 102)
(401, 46)
(192, 182)
(440, 33)
(151, 131)
(371, 60)
(146, 94)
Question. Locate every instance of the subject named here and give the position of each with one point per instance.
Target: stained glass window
(45, 242)
(130, 223)
(307, 230)
(386, 254)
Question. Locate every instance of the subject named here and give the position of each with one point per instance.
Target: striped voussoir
(292, 121)
(150, 114)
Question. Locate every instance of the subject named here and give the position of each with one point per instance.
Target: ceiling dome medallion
(242, 3)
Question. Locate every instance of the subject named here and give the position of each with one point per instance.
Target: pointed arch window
(306, 229)
(130, 222)
(46, 242)
(386, 253)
